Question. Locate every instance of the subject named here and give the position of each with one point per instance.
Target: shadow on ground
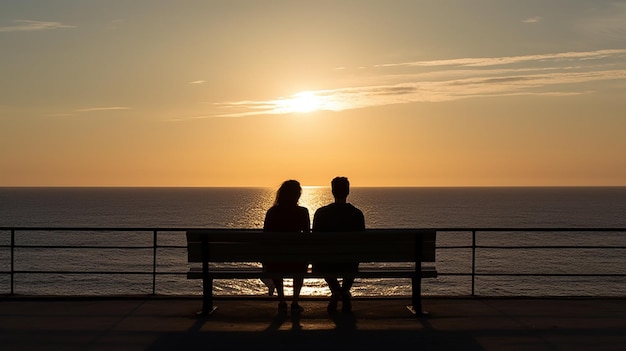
(319, 340)
(284, 332)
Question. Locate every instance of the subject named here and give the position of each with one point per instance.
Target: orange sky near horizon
(409, 93)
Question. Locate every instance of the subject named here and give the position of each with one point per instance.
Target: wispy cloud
(506, 60)
(98, 109)
(557, 74)
(532, 19)
(29, 26)
(197, 82)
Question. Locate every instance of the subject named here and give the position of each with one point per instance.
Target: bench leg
(416, 297)
(207, 297)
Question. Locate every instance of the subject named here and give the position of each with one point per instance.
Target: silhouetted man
(339, 216)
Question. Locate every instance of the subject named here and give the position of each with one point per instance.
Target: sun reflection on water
(314, 197)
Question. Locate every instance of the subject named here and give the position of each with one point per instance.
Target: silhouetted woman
(287, 216)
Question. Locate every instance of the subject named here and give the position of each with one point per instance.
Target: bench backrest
(371, 245)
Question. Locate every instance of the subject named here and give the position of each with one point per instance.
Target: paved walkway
(376, 324)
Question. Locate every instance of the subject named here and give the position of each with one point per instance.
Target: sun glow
(302, 102)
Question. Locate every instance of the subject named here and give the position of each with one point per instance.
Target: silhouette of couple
(287, 216)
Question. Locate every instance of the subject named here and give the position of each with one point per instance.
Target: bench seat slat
(247, 235)
(224, 257)
(257, 273)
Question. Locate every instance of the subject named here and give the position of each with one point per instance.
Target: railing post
(473, 262)
(12, 261)
(154, 261)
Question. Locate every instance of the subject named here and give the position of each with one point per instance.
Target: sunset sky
(250, 93)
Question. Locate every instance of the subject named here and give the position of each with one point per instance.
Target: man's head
(340, 188)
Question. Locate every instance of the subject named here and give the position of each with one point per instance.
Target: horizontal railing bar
(103, 229)
(549, 247)
(438, 247)
(100, 272)
(531, 247)
(532, 229)
(444, 229)
(587, 275)
(552, 274)
(80, 247)
(88, 247)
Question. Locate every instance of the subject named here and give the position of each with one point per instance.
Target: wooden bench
(215, 246)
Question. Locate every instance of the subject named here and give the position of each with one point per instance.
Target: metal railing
(475, 248)
(154, 246)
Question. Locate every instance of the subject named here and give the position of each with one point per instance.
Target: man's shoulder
(325, 208)
(336, 209)
(354, 208)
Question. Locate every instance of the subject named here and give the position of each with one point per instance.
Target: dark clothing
(340, 217)
(287, 219)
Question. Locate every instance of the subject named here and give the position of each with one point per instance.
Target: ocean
(448, 208)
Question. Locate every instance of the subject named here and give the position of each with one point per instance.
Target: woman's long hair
(289, 193)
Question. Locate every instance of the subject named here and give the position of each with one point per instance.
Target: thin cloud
(494, 61)
(97, 109)
(532, 20)
(29, 26)
(197, 82)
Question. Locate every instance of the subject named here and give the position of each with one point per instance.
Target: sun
(302, 102)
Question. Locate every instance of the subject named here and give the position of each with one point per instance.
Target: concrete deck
(149, 323)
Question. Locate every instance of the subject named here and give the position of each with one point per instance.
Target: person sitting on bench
(287, 216)
(338, 216)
